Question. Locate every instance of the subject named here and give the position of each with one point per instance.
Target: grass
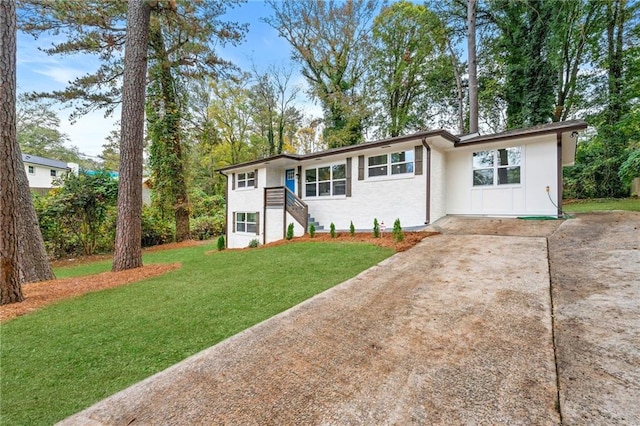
(65, 357)
(600, 204)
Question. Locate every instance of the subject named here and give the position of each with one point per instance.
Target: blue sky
(38, 72)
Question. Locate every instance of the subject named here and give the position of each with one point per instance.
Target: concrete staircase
(315, 224)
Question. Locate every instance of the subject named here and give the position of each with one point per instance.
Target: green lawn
(591, 205)
(65, 357)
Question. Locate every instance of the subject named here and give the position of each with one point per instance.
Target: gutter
(428, 179)
(559, 173)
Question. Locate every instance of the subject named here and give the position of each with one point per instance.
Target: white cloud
(60, 74)
(90, 131)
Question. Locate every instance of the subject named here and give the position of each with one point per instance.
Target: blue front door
(290, 180)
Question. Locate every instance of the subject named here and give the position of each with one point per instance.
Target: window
(398, 163)
(247, 180)
(246, 222)
(32, 171)
(497, 167)
(53, 173)
(326, 181)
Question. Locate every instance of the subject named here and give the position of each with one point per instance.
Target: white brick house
(417, 178)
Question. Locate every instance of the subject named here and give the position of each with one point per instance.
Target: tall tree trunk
(459, 89)
(172, 138)
(10, 289)
(33, 260)
(473, 66)
(128, 248)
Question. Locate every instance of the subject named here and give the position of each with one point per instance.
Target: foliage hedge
(79, 217)
(206, 227)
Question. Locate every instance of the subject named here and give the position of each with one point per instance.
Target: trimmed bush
(221, 244)
(398, 235)
(290, 231)
(376, 228)
(352, 229)
(332, 230)
(254, 243)
(312, 230)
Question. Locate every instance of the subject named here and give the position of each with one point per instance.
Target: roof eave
(346, 149)
(575, 125)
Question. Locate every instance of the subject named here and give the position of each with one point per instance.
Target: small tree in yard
(221, 244)
(312, 230)
(376, 228)
(398, 235)
(290, 231)
(81, 206)
(352, 229)
(332, 230)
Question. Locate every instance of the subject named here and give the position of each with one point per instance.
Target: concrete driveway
(595, 265)
(457, 330)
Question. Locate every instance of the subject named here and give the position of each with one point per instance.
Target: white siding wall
(245, 200)
(529, 198)
(438, 185)
(274, 177)
(298, 230)
(41, 178)
(384, 198)
(273, 225)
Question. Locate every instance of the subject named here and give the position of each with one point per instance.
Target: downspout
(226, 209)
(264, 216)
(428, 179)
(559, 174)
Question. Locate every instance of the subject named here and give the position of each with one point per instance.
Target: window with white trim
(53, 173)
(326, 181)
(32, 170)
(247, 180)
(246, 222)
(497, 167)
(397, 163)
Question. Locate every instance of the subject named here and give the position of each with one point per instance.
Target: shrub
(332, 230)
(254, 243)
(398, 235)
(290, 231)
(155, 229)
(376, 228)
(630, 168)
(312, 230)
(352, 229)
(221, 244)
(205, 227)
(206, 205)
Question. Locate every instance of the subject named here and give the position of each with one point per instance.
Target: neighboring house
(41, 171)
(417, 178)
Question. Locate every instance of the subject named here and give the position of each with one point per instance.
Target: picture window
(326, 181)
(247, 180)
(246, 222)
(497, 167)
(397, 163)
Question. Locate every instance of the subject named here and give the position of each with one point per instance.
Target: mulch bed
(385, 240)
(37, 295)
